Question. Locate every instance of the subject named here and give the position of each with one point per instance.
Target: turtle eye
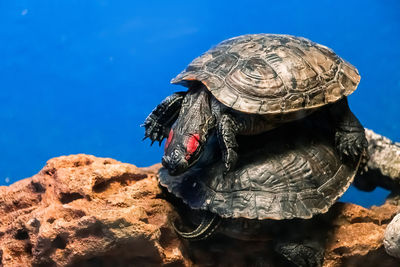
(193, 144)
(169, 139)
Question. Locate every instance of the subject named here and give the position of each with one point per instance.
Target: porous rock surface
(81, 210)
(392, 237)
(85, 211)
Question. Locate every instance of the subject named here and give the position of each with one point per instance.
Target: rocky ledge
(81, 210)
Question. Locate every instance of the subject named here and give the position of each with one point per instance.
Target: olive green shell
(272, 73)
(293, 171)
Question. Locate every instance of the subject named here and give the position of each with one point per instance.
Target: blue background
(80, 76)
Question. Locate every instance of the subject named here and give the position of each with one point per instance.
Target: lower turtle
(284, 180)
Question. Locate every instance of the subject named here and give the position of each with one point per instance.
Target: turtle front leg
(227, 129)
(350, 138)
(158, 123)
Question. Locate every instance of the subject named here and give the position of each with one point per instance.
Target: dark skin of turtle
(249, 85)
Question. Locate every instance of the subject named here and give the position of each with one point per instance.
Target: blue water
(81, 76)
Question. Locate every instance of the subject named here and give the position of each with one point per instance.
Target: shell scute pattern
(222, 65)
(293, 171)
(271, 73)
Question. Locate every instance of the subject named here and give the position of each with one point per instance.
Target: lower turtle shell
(291, 172)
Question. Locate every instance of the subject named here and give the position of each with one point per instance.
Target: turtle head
(190, 132)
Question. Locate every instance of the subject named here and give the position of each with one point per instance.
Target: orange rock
(81, 210)
(357, 236)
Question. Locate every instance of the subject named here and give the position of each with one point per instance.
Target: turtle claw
(160, 120)
(226, 132)
(230, 159)
(154, 131)
(354, 151)
(154, 137)
(350, 145)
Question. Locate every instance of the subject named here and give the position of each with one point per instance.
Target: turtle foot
(302, 255)
(158, 124)
(351, 145)
(154, 130)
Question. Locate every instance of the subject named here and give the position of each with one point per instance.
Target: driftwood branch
(383, 167)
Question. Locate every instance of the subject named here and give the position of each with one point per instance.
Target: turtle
(251, 84)
(286, 179)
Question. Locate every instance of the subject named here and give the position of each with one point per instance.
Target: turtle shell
(290, 172)
(272, 73)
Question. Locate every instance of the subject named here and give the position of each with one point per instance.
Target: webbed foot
(350, 138)
(351, 144)
(302, 255)
(155, 131)
(158, 123)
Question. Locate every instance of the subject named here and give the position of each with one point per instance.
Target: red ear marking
(192, 144)
(169, 139)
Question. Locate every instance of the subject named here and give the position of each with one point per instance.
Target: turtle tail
(209, 223)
